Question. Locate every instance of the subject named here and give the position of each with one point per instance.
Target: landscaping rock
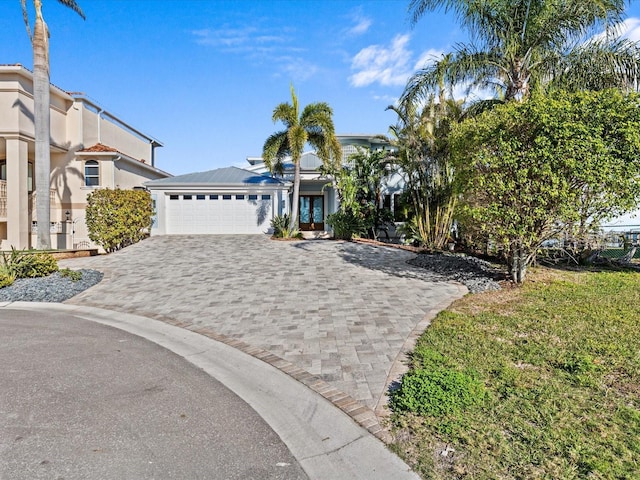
(54, 288)
(476, 274)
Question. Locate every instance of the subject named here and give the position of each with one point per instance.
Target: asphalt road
(82, 400)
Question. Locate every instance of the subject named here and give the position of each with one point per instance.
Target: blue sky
(204, 76)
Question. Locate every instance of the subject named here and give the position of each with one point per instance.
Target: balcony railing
(3, 199)
(32, 199)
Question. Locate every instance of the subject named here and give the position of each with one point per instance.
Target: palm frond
(73, 6)
(275, 150)
(599, 65)
(285, 113)
(25, 16)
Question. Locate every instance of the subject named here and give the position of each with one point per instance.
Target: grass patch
(559, 362)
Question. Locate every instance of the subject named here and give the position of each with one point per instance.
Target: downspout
(113, 172)
(99, 124)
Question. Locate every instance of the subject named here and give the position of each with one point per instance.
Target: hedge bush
(118, 218)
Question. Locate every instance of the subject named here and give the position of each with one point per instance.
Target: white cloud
(386, 65)
(296, 68)
(428, 57)
(361, 22)
(225, 37)
(238, 40)
(630, 29)
(260, 47)
(388, 99)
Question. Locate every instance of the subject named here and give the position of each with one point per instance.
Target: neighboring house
(236, 200)
(91, 148)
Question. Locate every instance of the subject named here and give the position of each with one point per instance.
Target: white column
(18, 225)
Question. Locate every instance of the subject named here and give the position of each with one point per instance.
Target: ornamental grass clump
(6, 278)
(28, 264)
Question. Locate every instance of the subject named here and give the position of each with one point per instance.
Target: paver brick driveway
(338, 310)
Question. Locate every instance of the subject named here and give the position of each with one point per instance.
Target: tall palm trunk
(41, 101)
(295, 207)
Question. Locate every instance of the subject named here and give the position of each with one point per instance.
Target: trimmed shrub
(118, 218)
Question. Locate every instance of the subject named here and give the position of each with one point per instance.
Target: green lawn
(560, 364)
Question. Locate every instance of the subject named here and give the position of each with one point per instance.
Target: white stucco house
(244, 200)
(91, 148)
(223, 201)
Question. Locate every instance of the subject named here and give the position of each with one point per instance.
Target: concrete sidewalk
(321, 440)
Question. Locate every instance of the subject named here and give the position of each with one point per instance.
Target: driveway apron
(341, 311)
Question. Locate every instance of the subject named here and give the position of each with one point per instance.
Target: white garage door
(218, 213)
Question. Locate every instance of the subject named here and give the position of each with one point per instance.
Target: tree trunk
(41, 102)
(519, 263)
(295, 204)
(628, 256)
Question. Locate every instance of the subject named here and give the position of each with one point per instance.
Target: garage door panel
(219, 216)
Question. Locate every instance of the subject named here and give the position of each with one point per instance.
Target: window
(187, 197)
(174, 197)
(253, 197)
(30, 177)
(199, 197)
(239, 197)
(266, 197)
(91, 173)
(3, 174)
(213, 197)
(226, 197)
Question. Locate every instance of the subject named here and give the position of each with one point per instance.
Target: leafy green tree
(118, 218)
(532, 168)
(41, 95)
(517, 46)
(313, 126)
(425, 161)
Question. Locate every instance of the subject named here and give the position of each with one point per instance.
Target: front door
(311, 212)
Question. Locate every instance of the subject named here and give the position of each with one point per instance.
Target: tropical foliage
(26, 264)
(533, 168)
(41, 95)
(424, 160)
(518, 46)
(359, 185)
(313, 126)
(118, 218)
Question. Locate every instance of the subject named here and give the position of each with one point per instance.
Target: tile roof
(219, 176)
(99, 148)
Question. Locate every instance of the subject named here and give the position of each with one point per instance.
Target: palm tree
(313, 126)
(520, 45)
(424, 159)
(41, 113)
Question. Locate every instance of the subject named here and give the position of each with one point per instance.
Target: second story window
(91, 173)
